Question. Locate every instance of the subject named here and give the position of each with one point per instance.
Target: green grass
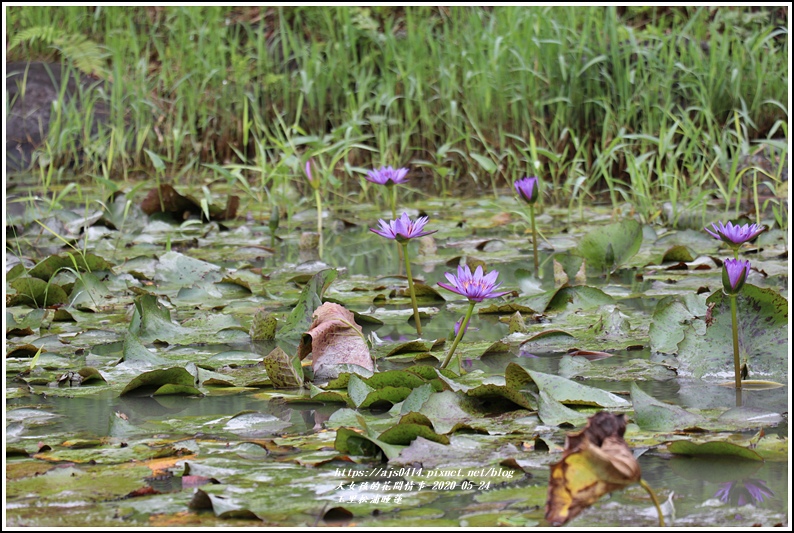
(619, 103)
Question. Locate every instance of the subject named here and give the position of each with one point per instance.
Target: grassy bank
(635, 104)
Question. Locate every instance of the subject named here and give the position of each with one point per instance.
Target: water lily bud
(529, 189)
(734, 274)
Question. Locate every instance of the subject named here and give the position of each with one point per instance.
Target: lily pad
(763, 337)
(35, 292)
(651, 414)
(608, 247)
(684, 447)
(570, 392)
(175, 380)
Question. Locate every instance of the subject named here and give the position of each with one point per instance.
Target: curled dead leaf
(334, 339)
(596, 461)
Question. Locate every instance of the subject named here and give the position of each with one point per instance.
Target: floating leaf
(223, 507)
(763, 337)
(610, 246)
(284, 371)
(506, 308)
(35, 292)
(26, 324)
(578, 297)
(263, 326)
(88, 293)
(553, 413)
(348, 441)
(677, 254)
(334, 339)
(415, 346)
(570, 392)
(548, 341)
(404, 433)
(300, 319)
(182, 381)
(684, 447)
(88, 262)
(670, 318)
(166, 199)
(421, 291)
(651, 414)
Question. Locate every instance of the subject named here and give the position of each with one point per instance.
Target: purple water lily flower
(528, 189)
(387, 176)
(734, 235)
(734, 274)
(476, 287)
(744, 491)
(403, 228)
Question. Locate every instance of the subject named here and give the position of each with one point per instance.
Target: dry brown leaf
(595, 461)
(334, 339)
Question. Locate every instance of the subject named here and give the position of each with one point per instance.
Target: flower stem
(649, 490)
(735, 324)
(411, 288)
(459, 336)
(319, 203)
(534, 237)
(394, 217)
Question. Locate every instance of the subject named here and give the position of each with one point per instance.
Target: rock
(30, 106)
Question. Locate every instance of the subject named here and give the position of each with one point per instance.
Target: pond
(96, 436)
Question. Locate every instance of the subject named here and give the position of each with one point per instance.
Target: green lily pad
(263, 326)
(763, 337)
(685, 447)
(415, 346)
(89, 293)
(610, 246)
(300, 319)
(176, 376)
(404, 433)
(506, 309)
(677, 254)
(651, 414)
(26, 324)
(364, 396)
(284, 371)
(35, 292)
(135, 352)
(88, 262)
(670, 318)
(349, 441)
(570, 392)
(554, 413)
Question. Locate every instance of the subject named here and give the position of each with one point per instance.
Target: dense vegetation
(642, 102)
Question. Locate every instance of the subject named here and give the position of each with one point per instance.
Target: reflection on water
(744, 491)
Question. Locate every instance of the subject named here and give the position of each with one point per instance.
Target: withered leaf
(283, 371)
(334, 339)
(596, 461)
